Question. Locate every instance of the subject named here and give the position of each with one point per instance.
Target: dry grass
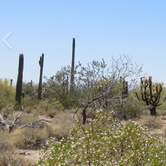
(5, 141)
(51, 113)
(27, 118)
(10, 158)
(36, 138)
(164, 131)
(151, 122)
(31, 138)
(64, 122)
(161, 112)
(7, 151)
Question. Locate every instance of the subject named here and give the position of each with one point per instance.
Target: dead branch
(35, 124)
(7, 126)
(3, 123)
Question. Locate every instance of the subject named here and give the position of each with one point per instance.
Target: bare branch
(35, 124)
(7, 126)
(17, 117)
(3, 123)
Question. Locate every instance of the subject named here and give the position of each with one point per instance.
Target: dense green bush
(132, 107)
(29, 89)
(163, 94)
(7, 93)
(106, 142)
(51, 104)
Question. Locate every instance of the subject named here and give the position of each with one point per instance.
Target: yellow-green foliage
(104, 84)
(163, 95)
(7, 93)
(52, 104)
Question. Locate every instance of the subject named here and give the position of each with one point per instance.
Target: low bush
(51, 105)
(64, 123)
(32, 138)
(106, 142)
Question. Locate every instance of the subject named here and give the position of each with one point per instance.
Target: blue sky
(102, 29)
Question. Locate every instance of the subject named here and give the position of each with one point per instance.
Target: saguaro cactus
(19, 78)
(41, 62)
(11, 82)
(125, 89)
(150, 94)
(72, 67)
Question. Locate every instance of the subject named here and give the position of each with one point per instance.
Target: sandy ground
(30, 155)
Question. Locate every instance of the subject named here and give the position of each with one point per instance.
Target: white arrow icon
(4, 39)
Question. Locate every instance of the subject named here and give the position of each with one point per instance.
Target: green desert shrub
(28, 102)
(106, 142)
(52, 104)
(7, 93)
(130, 109)
(163, 95)
(29, 89)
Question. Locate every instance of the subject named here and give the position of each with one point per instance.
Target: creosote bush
(106, 142)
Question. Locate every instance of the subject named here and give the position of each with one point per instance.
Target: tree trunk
(84, 114)
(153, 111)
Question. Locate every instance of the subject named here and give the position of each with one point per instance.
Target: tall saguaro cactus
(72, 67)
(41, 62)
(19, 78)
(150, 94)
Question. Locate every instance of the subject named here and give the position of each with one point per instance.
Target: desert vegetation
(84, 115)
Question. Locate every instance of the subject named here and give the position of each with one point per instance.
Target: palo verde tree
(58, 87)
(150, 93)
(19, 79)
(105, 87)
(41, 62)
(97, 86)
